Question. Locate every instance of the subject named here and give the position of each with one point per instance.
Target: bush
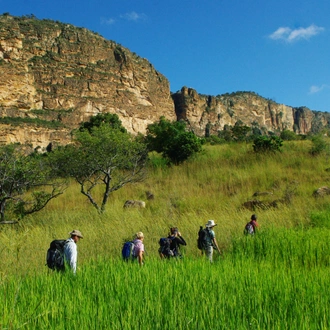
(319, 145)
(267, 144)
(172, 140)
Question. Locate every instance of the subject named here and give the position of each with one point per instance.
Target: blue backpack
(127, 251)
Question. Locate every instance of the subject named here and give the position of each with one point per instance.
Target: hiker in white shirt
(70, 249)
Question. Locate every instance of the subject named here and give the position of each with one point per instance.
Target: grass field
(276, 280)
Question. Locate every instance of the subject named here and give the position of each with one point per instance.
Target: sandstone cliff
(215, 112)
(55, 76)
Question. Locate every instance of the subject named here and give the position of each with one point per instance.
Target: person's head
(76, 235)
(210, 224)
(253, 217)
(139, 235)
(174, 231)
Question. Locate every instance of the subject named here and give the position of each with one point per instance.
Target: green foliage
(26, 182)
(172, 140)
(102, 156)
(17, 121)
(240, 132)
(111, 120)
(319, 145)
(287, 135)
(262, 144)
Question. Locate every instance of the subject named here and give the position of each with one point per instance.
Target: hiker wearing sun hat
(70, 249)
(210, 240)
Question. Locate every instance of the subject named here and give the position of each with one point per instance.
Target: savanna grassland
(278, 279)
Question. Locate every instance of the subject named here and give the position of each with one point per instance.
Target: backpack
(203, 233)
(55, 255)
(249, 229)
(127, 251)
(165, 247)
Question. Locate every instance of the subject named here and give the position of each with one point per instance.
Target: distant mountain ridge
(55, 76)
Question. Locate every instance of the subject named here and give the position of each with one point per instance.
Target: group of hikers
(134, 250)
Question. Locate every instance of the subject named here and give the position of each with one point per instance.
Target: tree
(262, 144)
(172, 140)
(102, 156)
(27, 183)
(111, 120)
(240, 132)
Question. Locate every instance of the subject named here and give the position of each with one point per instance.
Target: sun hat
(76, 233)
(210, 224)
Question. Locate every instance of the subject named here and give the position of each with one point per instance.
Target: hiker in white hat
(210, 240)
(70, 249)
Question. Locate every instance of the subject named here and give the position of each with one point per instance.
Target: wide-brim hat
(76, 233)
(210, 224)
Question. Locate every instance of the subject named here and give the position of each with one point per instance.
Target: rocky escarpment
(55, 76)
(213, 113)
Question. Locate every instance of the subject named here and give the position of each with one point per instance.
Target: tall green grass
(274, 280)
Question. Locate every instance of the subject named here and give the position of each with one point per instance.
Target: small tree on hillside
(262, 144)
(27, 183)
(102, 156)
(172, 140)
(108, 119)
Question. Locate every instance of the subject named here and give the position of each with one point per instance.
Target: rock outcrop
(55, 76)
(213, 113)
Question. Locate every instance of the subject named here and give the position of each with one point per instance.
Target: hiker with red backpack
(252, 226)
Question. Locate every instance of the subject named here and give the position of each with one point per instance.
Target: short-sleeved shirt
(138, 247)
(210, 237)
(70, 253)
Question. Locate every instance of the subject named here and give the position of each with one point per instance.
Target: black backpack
(203, 233)
(165, 247)
(55, 255)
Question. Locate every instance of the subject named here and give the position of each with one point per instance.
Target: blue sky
(277, 49)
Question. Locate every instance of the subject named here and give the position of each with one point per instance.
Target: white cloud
(316, 89)
(133, 16)
(289, 35)
(108, 21)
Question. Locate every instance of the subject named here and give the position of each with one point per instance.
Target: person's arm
(180, 240)
(140, 257)
(215, 244)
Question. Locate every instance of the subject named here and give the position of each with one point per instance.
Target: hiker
(70, 249)
(169, 246)
(176, 241)
(138, 250)
(251, 226)
(210, 240)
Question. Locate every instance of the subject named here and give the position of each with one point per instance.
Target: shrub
(267, 144)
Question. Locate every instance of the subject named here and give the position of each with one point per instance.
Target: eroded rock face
(55, 76)
(61, 74)
(213, 113)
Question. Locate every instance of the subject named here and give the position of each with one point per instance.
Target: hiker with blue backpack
(206, 241)
(138, 249)
(170, 245)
